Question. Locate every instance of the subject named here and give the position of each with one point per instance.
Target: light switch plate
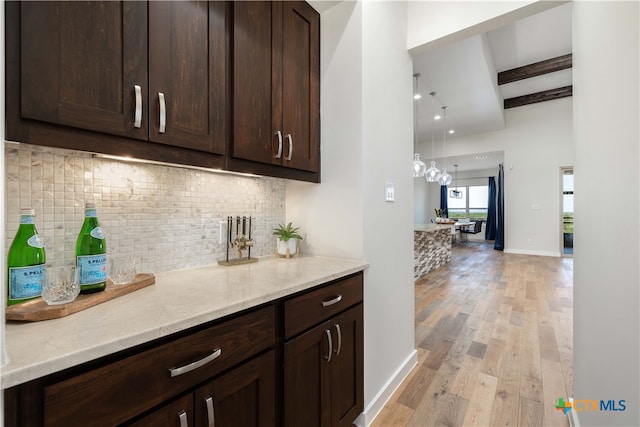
(389, 192)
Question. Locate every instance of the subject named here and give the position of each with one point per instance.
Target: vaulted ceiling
(465, 76)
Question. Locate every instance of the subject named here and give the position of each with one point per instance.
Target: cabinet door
(300, 86)
(307, 377)
(276, 89)
(347, 394)
(178, 413)
(81, 62)
(242, 398)
(257, 81)
(187, 74)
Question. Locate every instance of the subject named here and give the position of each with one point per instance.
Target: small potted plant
(287, 242)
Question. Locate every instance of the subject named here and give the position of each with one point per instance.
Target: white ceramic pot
(290, 244)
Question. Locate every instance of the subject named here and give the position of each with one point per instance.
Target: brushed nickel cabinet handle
(183, 419)
(332, 301)
(290, 138)
(195, 365)
(330, 342)
(210, 414)
(279, 154)
(163, 113)
(339, 334)
(137, 118)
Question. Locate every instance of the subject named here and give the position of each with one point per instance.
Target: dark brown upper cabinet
(276, 93)
(187, 74)
(152, 71)
(225, 85)
(81, 63)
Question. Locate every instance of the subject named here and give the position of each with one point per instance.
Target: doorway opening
(566, 229)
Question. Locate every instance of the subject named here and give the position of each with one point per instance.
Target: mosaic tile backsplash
(167, 217)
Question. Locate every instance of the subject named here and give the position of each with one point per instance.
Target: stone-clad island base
(431, 247)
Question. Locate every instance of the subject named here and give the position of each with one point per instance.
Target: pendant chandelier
(445, 178)
(418, 165)
(433, 173)
(456, 194)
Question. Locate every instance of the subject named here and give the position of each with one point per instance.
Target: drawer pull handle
(279, 154)
(183, 419)
(330, 342)
(339, 333)
(290, 138)
(332, 301)
(137, 118)
(163, 113)
(210, 414)
(195, 365)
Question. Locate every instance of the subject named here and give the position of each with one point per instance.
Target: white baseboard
(377, 403)
(527, 252)
(573, 416)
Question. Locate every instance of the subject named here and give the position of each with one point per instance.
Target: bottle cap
(90, 205)
(27, 211)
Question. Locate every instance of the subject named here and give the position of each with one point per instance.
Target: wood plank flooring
(494, 338)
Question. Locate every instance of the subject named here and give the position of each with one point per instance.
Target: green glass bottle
(26, 261)
(91, 253)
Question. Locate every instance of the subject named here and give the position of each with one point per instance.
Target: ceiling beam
(532, 98)
(536, 69)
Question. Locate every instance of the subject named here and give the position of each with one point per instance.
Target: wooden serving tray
(37, 309)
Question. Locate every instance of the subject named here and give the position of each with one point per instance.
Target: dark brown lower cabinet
(323, 367)
(347, 398)
(296, 362)
(244, 397)
(178, 413)
(241, 398)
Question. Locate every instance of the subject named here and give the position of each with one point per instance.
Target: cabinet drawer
(120, 390)
(306, 310)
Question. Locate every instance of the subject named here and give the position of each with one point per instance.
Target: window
(472, 204)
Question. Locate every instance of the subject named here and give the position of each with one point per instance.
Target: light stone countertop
(432, 227)
(177, 301)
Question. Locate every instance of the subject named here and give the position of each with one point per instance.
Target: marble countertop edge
(245, 287)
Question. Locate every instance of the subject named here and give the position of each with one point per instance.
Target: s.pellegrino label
(93, 269)
(91, 253)
(25, 261)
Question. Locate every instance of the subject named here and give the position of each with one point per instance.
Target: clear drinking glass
(122, 269)
(61, 285)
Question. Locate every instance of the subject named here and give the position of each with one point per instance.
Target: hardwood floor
(494, 334)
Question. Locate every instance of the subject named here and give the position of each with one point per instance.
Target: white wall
(330, 215)
(388, 227)
(432, 24)
(536, 142)
(606, 292)
(366, 140)
(422, 196)
(540, 142)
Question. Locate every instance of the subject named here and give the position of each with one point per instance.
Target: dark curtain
(499, 242)
(490, 230)
(443, 201)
